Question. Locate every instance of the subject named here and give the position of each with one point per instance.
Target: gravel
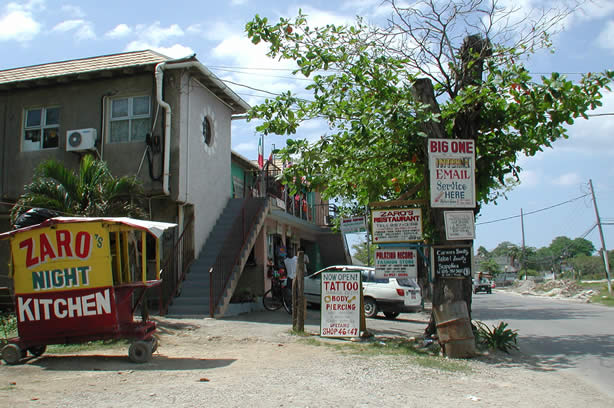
(253, 361)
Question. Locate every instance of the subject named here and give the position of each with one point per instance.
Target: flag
(260, 154)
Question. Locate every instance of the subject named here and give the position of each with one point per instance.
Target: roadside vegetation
(427, 356)
(8, 329)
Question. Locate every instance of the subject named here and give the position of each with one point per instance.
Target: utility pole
(522, 267)
(604, 253)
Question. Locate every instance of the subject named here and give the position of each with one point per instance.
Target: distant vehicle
(482, 285)
(390, 295)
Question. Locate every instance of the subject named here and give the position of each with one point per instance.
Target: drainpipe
(167, 128)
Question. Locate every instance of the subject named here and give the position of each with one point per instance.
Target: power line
(533, 212)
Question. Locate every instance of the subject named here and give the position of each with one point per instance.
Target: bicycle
(279, 295)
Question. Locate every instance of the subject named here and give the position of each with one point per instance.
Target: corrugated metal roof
(80, 66)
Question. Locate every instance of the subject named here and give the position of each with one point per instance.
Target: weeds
(8, 324)
(497, 338)
(409, 348)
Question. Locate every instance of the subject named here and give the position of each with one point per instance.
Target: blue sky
(41, 31)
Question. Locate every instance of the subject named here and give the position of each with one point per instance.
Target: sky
(554, 184)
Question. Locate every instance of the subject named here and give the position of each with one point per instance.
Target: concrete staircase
(194, 298)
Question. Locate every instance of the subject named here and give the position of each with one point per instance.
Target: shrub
(497, 338)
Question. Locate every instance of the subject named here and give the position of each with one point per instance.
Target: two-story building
(168, 123)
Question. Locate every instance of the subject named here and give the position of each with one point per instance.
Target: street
(560, 334)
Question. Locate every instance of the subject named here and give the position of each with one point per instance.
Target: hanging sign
(451, 261)
(394, 225)
(340, 314)
(460, 225)
(354, 224)
(396, 263)
(452, 173)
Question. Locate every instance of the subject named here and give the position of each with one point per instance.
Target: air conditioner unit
(80, 139)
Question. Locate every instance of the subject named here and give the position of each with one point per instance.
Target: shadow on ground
(99, 362)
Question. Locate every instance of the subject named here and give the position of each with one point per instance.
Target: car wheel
(391, 315)
(370, 307)
(489, 291)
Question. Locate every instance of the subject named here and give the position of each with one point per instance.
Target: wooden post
(298, 295)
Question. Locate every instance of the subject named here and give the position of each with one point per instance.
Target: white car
(391, 296)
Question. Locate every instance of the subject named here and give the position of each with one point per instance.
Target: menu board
(451, 261)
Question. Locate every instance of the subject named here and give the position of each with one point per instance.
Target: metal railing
(176, 265)
(234, 245)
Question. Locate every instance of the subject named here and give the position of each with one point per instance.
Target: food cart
(82, 279)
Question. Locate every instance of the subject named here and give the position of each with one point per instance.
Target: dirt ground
(253, 360)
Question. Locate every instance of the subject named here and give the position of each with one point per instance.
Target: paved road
(559, 334)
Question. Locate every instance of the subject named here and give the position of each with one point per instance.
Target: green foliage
(497, 338)
(490, 266)
(92, 191)
(8, 322)
(526, 272)
(364, 255)
(361, 85)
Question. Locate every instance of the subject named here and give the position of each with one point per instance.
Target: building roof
(73, 68)
(244, 161)
(107, 66)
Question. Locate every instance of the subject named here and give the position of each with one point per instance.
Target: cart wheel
(37, 351)
(140, 351)
(154, 344)
(12, 354)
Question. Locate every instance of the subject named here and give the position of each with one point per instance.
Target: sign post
(451, 261)
(452, 173)
(340, 314)
(395, 225)
(396, 262)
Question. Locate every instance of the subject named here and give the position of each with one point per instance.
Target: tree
(490, 266)
(364, 252)
(374, 87)
(92, 191)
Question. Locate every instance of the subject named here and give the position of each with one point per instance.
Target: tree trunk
(446, 291)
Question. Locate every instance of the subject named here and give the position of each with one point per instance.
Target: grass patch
(424, 357)
(603, 297)
(90, 345)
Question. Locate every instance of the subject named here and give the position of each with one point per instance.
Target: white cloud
(592, 137)
(18, 23)
(214, 31)
(121, 30)
(173, 51)
(157, 34)
(568, 179)
(155, 37)
(74, 11)
(84, 30)
(605, 37)
(238, 2)
(530, 178)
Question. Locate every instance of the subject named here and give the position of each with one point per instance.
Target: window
(41, 128)
(207, 135)
(129, 119)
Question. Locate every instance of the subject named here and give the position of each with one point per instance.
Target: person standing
(290, 264)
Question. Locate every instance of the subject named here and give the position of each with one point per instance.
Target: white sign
(452, 170)
(460, 225)
(396, 225)
(353, 224)
(340, 314)
(396, 263)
